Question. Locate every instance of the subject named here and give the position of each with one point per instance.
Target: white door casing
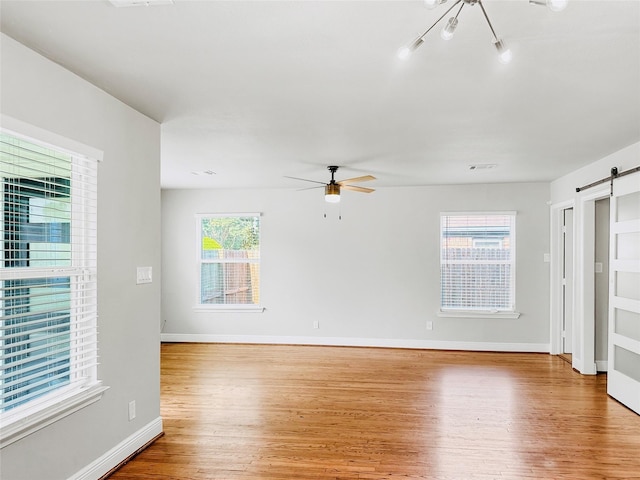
(557, 251)
(567, 281)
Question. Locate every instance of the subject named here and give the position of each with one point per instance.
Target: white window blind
(229, 258)
(477, 262)
(48, 274)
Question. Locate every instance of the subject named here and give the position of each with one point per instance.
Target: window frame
(480, 312)
(231, 307)
(58, 403)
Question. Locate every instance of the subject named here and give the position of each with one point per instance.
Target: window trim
(477, 314)
(59, 403)
(511, 313)
(226, 308)
(47, 410)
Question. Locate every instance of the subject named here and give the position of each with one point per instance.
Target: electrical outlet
(429, 324)
(316, 324)
(132, 410)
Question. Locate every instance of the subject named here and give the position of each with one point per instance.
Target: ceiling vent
(140, 3)
(483, 166)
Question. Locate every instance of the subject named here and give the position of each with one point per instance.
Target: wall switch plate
(599, 267)
(429, 324)
(546, 258)
(132, 410)
(144, 275)
(316, 324)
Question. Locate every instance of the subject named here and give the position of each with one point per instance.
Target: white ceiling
(256, 90)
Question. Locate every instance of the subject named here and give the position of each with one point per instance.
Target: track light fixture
(504, 54)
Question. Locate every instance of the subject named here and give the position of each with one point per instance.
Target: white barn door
(623, 378)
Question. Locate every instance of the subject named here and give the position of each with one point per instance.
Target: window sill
(476, 314)
(46, 413)
(229, 308)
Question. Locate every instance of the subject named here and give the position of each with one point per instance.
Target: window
(48, 292)
(229, 260)
(477, 262)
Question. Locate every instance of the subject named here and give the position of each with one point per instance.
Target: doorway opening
(601, 283)
(566, 349)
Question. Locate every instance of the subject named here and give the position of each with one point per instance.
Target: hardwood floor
(238, 412)
(567, 357)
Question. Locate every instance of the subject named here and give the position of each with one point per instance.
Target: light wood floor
(267, 412)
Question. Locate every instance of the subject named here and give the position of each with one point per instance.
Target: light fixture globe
(332, 193)
(449, 28)
(504, 54)
(553, 5)
(557, 5)
(406, 51)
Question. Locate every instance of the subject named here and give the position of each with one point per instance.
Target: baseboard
(118, 454)
(602, 365)
(358, 342)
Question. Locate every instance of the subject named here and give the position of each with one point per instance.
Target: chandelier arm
(443, 15)
(488, 21)
(459, 11)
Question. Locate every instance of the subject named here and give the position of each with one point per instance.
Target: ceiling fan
(332, 189)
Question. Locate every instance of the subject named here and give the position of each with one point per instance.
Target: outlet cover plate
(144, 275)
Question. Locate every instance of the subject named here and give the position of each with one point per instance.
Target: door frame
(556, 273)
(584, 271)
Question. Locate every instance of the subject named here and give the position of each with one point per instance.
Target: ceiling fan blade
(304, 180)
(364, 178)
(357, 189)
(310, 188)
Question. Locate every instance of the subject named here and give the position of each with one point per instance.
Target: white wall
(41, 93)
(371, 278)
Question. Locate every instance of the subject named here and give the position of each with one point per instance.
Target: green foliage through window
(229, 260)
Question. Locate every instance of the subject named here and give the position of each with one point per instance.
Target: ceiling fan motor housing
(332, 189)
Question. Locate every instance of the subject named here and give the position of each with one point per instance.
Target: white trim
(584, 275)
(555, 272)
(475, 314)
(104, 464)
(43, 417)
(356, 342)
(481, 212)
(602, 365)
(228, 308)
(31, 132)
(223, 215)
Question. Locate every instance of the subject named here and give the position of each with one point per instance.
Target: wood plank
(241, 412)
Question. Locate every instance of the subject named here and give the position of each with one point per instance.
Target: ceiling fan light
(449, 28)
(332, 193)
(504, 54)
